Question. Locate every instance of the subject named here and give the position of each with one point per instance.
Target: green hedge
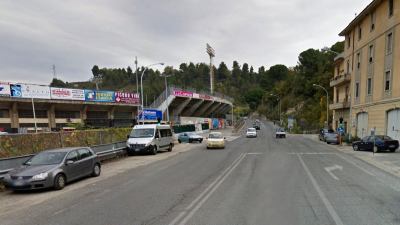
(24, 144)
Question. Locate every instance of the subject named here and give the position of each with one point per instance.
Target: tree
(96, 71)
(58, 83)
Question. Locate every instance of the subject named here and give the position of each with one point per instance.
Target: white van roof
(154, 126)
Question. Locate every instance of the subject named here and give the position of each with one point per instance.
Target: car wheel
(96, 170)
(201, 141)
(190, 141)
(153, 150)
(59, 181)
(392, 150)
(355, 148)
(179, 141)
(328, 142)
(170, 148)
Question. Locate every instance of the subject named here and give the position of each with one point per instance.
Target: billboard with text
(5, 90)
(129, 98)
(67, 94)
(99, 96)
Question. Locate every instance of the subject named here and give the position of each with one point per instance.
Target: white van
(150, 138)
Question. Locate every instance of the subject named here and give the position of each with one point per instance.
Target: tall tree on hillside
(96, 71)
(222, 73)
(236, 72)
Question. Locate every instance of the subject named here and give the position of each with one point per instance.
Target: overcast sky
(77, 34)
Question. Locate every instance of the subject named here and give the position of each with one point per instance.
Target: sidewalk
(387, 161)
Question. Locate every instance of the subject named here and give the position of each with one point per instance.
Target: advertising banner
(130, 98)
(30, 91)
(99, 96)
(67, 94)
(5, 90)
(16, 90)
(150, 114)
(183, 93)
(206, 97)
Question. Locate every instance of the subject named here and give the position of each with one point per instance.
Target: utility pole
(34, 115)
(53, 68)
(211, 53)
(137, 82)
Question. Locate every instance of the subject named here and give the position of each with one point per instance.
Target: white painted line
(332, 168)
(182, 214)
(356, 165)
(311, 153)
(254, 153)
(197, 207)
(321, 194)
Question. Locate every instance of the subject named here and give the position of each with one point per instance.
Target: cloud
(77, 34)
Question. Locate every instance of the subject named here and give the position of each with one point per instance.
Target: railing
(340, 105)
(339, 79)
(161, 98)
(104, 152)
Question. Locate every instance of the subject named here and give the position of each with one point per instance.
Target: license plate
(392, 146)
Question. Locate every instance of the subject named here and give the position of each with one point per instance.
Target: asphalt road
(253, 181)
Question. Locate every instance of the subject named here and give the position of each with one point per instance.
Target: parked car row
(57, 167)
(380, 142)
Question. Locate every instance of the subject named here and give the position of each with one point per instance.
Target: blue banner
(151, 114)
(99, 96)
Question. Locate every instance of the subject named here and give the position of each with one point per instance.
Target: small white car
(251, 132)
(215, 140)
(280, 133)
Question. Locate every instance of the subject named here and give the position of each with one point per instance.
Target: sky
(74, 35)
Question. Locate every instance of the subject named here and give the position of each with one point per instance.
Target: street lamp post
(166, 94)
(279, 111)
(327, 102)
(141, 86)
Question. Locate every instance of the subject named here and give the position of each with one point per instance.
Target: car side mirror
(224, 137)
(69, 162)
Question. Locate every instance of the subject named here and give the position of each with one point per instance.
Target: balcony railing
(340, 105)
(343, 78)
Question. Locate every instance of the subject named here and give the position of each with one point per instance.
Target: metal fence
(104, 152)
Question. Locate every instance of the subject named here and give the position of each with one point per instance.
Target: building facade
(372, 57)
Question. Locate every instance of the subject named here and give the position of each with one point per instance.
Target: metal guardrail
(104, 152)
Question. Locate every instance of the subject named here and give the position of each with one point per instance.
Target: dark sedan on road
(190, 137)
(54, 168)
(382, 142)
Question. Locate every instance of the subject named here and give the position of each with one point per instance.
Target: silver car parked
(54, 168)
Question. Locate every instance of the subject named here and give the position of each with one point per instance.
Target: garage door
(393, 124)
(362, 125)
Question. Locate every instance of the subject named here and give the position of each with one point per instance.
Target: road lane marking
(311, 153)
(321, 194)
(329, 169)
(356, 165)
(254, 153)
(205, 194)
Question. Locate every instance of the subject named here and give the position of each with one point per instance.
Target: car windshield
(46, 158)
(142, 132)
(215, 136)
(251, 130)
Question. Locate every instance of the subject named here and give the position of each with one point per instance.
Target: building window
(369, 86)
(389, 43)
(387, 80)
(348, 66)
(358, 60)
(391, 8)
(348, 41)
(372, 15)
(23, 113)
(371, 54)
(337, 95)
(357, 90)
(359, 33)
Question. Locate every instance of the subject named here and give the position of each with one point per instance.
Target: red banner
(183, 93)
(130, 98)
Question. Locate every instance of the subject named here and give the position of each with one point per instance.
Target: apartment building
(372, 57)
(341, 94)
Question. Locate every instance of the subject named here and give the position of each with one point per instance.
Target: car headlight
(40, 176)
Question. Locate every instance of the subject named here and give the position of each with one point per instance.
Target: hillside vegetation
(251, 88)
